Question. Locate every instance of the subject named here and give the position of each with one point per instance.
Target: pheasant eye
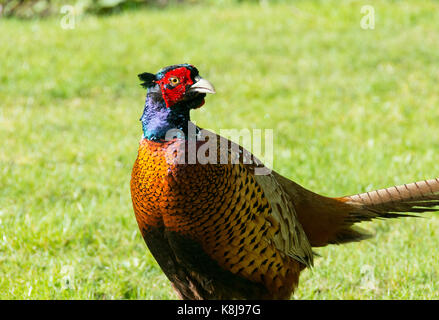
(174, 81)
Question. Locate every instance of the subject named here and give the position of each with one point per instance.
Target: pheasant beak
(202, 86)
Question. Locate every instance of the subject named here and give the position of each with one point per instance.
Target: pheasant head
(172, 93)
(178, 84)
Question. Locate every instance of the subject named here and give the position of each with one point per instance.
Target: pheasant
(218, 228)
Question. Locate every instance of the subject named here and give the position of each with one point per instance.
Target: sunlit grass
(351, 109)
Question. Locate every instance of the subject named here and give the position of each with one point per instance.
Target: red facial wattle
(174, 93)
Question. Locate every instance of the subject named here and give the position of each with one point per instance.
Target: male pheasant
(218, 228)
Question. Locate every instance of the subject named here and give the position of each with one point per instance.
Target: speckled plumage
(219, 206)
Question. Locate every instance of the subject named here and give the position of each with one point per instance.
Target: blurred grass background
(352, 110)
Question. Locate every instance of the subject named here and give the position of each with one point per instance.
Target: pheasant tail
(332, 220)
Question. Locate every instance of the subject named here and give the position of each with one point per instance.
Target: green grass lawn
(352, 110)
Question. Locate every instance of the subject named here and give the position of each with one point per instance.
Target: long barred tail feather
(393, 202)
(332, 220)
(415, 197)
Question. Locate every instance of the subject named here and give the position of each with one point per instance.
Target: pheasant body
(218, 229)
(221, 209)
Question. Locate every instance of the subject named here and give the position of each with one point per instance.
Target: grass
(352, 109)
